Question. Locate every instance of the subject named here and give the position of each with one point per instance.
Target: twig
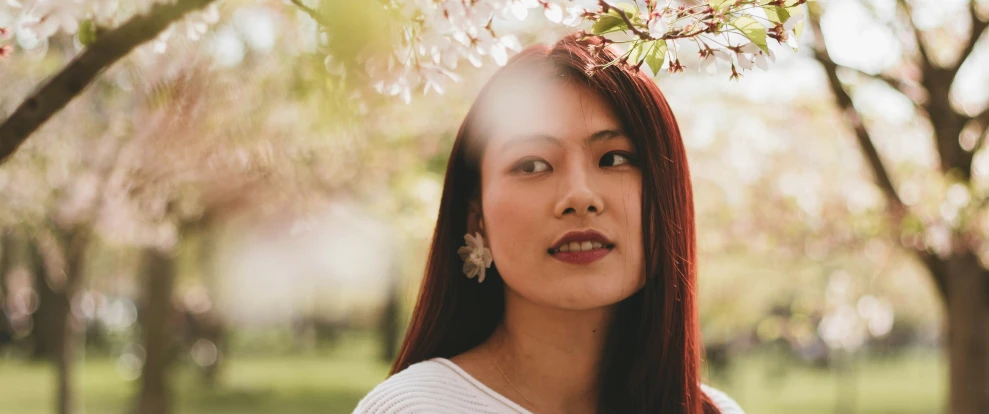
(312, 13)
(71, 80)
(898, 85)
(605, 7)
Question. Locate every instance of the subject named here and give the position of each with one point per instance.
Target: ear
(475, 216)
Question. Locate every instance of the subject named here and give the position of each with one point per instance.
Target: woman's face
(558, 162)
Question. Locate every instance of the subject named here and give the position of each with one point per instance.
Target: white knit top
(439, 386)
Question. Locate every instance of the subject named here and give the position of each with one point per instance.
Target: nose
(579, 195)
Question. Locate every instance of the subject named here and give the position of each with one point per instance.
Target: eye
(531, 166)
(616, 158)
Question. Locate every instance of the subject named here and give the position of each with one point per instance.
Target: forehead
(569, 111)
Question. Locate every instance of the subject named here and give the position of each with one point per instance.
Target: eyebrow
(602, 135)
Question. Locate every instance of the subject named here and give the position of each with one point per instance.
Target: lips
(580, 241)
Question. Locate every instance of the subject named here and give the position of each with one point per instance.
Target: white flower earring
(476, 257)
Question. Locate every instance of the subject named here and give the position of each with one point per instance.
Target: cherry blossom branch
(605, 8)
(666, 25)
(74, 77)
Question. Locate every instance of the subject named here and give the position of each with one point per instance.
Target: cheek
(629, 216)
(629, 204)
(510, 215)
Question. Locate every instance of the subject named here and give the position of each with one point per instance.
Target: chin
(587, 295)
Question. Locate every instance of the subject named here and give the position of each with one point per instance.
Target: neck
(552, 355)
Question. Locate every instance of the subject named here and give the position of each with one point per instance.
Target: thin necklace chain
(498, 366)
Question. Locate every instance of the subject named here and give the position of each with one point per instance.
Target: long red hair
(653, 351)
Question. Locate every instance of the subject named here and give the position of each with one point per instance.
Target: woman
(561, 277)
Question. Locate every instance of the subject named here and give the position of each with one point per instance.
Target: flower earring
(476, 257)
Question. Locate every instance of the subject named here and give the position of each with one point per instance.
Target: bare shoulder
(726, 404)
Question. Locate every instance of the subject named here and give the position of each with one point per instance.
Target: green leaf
(612, 20)
(719, 4)
(607, 22)
(630, 9)
(776, 14)
(752, 30)
(87, 32)
(637, 52)
(656, 56)
(798, 28)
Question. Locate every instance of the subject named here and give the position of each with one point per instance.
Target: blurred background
(226, 221)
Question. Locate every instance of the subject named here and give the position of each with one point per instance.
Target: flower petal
(744, 63)
(520, 11)
(499, 54)
(750, 48)
(553, 12)
(657, 27)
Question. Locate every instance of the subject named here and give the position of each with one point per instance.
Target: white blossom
(48, 17)
(520, 8)
(553, 12)
(709, 64)
(658, 27)
(788, 37)
(574, 15)
(792, 21)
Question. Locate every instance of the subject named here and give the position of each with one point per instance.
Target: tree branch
(844, 101)
(978, 28)
(898, 210)
(899, 85)
(312, 13)
(70, 82)
(621, 13)
(918, 38)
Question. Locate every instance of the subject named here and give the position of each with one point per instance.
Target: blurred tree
(60, 217)
(7, 258)
(158, 315)
(110, 46)
(951, 243)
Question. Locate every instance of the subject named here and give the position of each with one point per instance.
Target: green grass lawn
(333, 381)
(910, 384)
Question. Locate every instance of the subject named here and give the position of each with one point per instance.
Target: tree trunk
(156, 322)
(968, 334)
(6, 262)
(57, 330)
(389, 324)
(47, 330)
(7, 247)
(214, 326)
